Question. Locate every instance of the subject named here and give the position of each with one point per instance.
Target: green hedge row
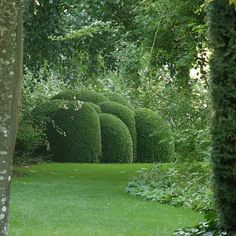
(85, 126)
(74, 134)
(154, 139)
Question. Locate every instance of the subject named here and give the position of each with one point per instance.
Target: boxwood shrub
(117, 97)
(125, 114)
(74, 133)
(117, 146)
(42, 114)
(82, 95)
(154, 138)
(95, 107)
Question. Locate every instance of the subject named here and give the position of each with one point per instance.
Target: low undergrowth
(184, 184)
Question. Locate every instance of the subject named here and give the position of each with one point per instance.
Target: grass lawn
(88, 200)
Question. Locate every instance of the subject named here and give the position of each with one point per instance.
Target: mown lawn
(87, 200)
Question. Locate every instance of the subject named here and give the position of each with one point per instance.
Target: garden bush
(117, 97)
(117, 145)
(74, 133)
(28, 139)
(154, 138)
(125, 114)
(82, 95)
(42, 114)
(95, 107)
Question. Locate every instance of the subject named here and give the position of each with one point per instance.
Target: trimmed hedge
(125, 114)
(154, 138)
(74, 133)
(117, 146)
(42, 114)
(82, 95)
(95, 107)
(117, 97)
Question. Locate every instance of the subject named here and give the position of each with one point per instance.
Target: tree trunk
(222, 33)
(11, 52)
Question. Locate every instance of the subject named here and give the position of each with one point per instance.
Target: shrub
(95, 107)
(117, 146)
(28, 139)
(42, 114)
(74, 133)
(82, 95)
(125, 114)
(117, 97)
(154, 139)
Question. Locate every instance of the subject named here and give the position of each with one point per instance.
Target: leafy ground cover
(87, 199)
(183, 184)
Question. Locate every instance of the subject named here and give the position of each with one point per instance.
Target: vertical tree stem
(11, 54)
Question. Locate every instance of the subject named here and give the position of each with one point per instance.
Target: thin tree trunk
(11, 54)
(222, 34)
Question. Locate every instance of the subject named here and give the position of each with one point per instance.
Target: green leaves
(185, 185)
(232, 2)
(96, 27)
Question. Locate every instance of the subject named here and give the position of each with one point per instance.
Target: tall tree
(222, 33)
(10, 85)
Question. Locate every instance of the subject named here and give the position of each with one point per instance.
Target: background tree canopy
(143, 49)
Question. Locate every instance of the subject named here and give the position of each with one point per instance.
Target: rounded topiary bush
(82, 95)
(95, 107)
(125, 114)
(117, 146)
(154, 138)
(117, 97)
(74, 133)
(42, 114)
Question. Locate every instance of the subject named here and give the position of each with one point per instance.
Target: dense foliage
(82, 95)
(28, 140)
(154, 138)
(117, 97)
(176, 184)
(126, 115)
(117, 145)
(43, 112)
(222, 19)
(95, 107)
(137, 48)
(74, 134)
(31, 140)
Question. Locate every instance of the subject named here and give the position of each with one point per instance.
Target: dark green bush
(117, 146)
(28, 139)
(42, 114)
(125, 114)
(117, 97)
(82, 95)
(95, 107)
(74, 133)
(154, 138)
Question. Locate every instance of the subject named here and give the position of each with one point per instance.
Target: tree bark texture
(222, 34)
(11, 52)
